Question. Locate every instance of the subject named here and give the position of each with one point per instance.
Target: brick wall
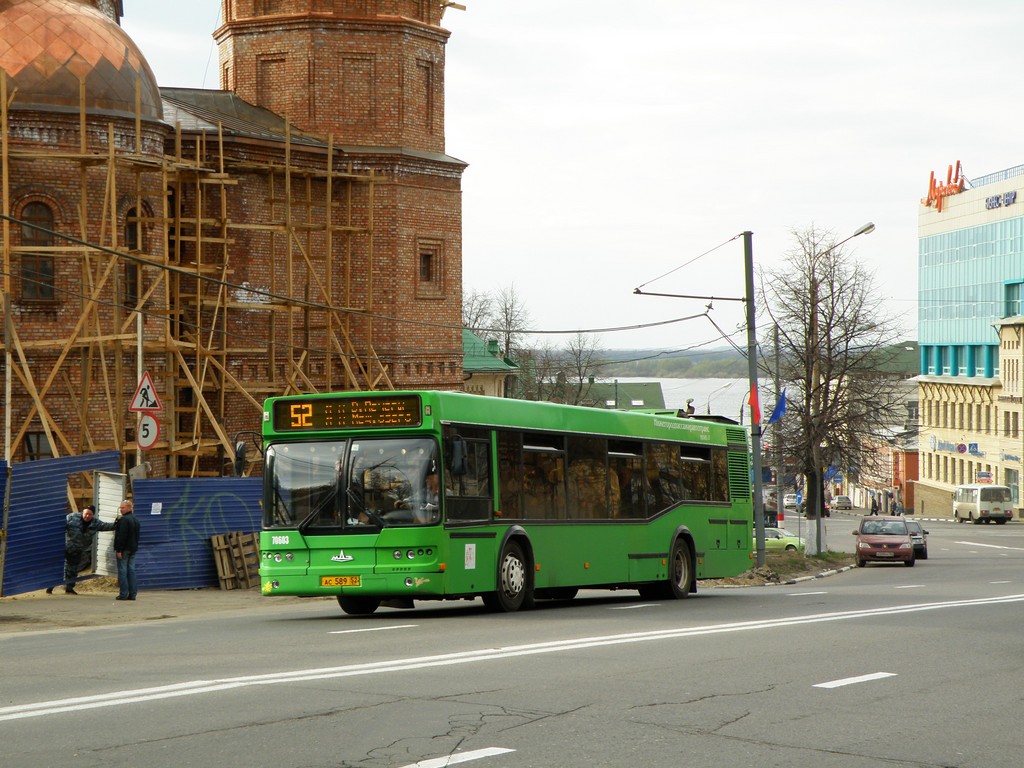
(371, 73)
(402, 282)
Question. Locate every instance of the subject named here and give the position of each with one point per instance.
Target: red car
(883, 540)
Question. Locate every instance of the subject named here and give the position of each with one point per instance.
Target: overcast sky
(609, 142)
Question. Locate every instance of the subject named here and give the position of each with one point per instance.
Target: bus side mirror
(240, 449)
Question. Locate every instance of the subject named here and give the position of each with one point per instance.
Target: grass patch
(780, 567)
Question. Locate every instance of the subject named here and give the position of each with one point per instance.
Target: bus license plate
(339, 581)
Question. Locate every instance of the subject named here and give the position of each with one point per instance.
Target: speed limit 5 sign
(149, 431)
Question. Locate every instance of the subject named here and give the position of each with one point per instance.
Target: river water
(722, 397)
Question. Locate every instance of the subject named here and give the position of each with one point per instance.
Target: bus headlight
(397, 554)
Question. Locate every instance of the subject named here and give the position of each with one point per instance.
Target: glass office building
(971, 272)
(970, 289)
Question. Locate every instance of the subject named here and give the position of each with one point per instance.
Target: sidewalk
(95, 606)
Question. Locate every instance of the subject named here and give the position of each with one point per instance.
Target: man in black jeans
(126, 543)
(78, 535)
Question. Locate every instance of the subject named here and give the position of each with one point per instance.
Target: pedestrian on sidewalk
(126, 544)
(78, 534)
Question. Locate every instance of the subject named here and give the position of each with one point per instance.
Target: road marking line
(197, 687)
(462, 757)
(802, 594)
(911, 586)
(1007, 581)
(989, 546)
(631, 607)
(853, 680)
(371, 629)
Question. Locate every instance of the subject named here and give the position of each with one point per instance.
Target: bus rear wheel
(680, 574)
(358, 606)
(680, 577)
(514, 588)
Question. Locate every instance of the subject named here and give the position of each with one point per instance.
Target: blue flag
(780, 409)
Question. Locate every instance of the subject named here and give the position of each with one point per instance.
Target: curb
(821, 575)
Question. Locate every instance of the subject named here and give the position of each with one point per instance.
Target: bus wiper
(308, 519)
(357, 502)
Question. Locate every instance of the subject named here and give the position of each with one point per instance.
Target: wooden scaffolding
(152, 258)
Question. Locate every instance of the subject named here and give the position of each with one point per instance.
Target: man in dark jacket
(126, 543)
(78, 535)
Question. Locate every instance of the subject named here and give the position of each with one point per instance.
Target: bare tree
(511, 318)
(582, 365)
(545, 372)
(478, 312)
(836, 344)
(537, 376)
(561, 375)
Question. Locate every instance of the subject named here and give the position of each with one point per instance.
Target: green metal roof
(630, 395)
(477, 359)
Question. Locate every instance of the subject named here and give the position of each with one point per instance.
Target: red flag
(755, 405)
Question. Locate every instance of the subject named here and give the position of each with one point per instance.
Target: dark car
(883, 540)
(919, 537)
(825, 510)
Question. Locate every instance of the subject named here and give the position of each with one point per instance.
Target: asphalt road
(884, 665)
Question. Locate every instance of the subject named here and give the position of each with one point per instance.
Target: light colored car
(883, 539)
(789, 501)
(842, 502)
(781, 539)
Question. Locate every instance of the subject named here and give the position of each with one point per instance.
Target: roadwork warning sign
(146, 398)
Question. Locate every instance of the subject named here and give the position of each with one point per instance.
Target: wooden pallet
(237, 556)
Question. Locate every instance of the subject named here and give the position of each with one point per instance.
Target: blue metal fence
(177, 517)
(37, 514)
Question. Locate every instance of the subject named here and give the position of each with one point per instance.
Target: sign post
(146, 403)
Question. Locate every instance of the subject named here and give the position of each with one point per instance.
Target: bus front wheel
(358, 606)
(514, 588)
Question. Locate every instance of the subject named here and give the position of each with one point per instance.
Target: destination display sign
(347, 412)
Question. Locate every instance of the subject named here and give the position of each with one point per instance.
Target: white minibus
(982, 503)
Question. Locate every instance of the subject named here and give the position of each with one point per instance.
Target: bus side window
(626, 461)
(664, 476)
(719, 474)
(468, 479)
(510, 474)
(593, 489)
(543, 484)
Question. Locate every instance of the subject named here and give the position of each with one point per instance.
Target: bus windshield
(363, 483)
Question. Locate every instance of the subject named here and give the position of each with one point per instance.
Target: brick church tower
(370, 73)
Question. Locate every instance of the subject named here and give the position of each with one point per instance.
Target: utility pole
(755, 427)
(755, 424)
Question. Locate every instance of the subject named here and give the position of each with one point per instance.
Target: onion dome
(48, 47)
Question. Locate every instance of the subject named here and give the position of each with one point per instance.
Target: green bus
(404, 496)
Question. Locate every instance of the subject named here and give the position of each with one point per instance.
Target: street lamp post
(815, 394)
